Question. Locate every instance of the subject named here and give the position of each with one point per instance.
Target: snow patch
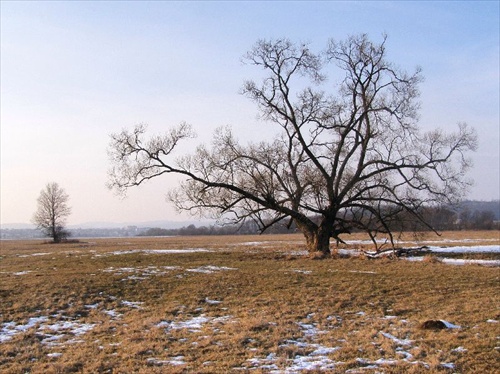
(447, 365)
(10, 329)
(132, 304)
(302, 271)
(450, 325)
(403, 342)
(61, 328)
(153, 251)
(176, 361)
(193, 325)
(54, 354)
(467, 249)
(212, 302)
(22, 272)
(209, 269)
(34, 254)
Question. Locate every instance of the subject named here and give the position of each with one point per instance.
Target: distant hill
(475, 205)
(17, 226)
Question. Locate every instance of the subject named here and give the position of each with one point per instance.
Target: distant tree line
(470, 215)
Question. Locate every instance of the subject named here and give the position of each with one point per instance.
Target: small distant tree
(52, 211)
(349, 155)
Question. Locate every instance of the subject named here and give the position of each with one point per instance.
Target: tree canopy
(349, 154)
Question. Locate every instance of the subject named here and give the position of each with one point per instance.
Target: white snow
(308, 329)
(112, 313)
(176, 361)
(450, 325)
(209, 269)
(303, 363)
(212, 302)
(456, 261)
(22, 272)
(174, 251)
(362, 272)
(34, 254)
(154, 251)
(467, 249)
(194, 324)
(10, 329)
(403, 342)
(54, 354)
(321, 350)
(76, 328)
(447, 365)
(132, 304)
(73, 327)
(302, 271)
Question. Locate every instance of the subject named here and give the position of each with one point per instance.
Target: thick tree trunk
(317, 239)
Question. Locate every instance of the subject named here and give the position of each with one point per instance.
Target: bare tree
(50, 216)
(353, 160)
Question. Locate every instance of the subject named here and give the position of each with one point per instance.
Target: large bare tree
(350, 157)
(52, 210)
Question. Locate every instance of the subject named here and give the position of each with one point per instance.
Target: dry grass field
(243, 304)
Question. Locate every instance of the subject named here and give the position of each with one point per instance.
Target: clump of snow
(209, 269)
(194, 324)
(403, 342)
(112, 313)
(34, 254)
(456, 261)
(141, 273)
(299, 253)
(450, 325)
(10, 329)
(212, 302)
(176, 361)
(154, 251)
(174, 251)
(308, 363)
(302, 271)
(54, 354)
(447, 365)
(253, 243)
(466, 249)
(73, 327)
(22, 272)
(132, 304)
(362, 272)
(308, 329)
(42, 325)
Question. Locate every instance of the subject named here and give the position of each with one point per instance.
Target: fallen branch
(398, 252)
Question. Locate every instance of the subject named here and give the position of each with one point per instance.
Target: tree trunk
(317, 239)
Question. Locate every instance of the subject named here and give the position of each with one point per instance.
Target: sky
(74, 72)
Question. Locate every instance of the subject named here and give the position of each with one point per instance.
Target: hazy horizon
(74, 72)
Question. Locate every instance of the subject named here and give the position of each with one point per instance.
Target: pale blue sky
(74, 72)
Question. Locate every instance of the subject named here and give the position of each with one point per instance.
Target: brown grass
(257, 302)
